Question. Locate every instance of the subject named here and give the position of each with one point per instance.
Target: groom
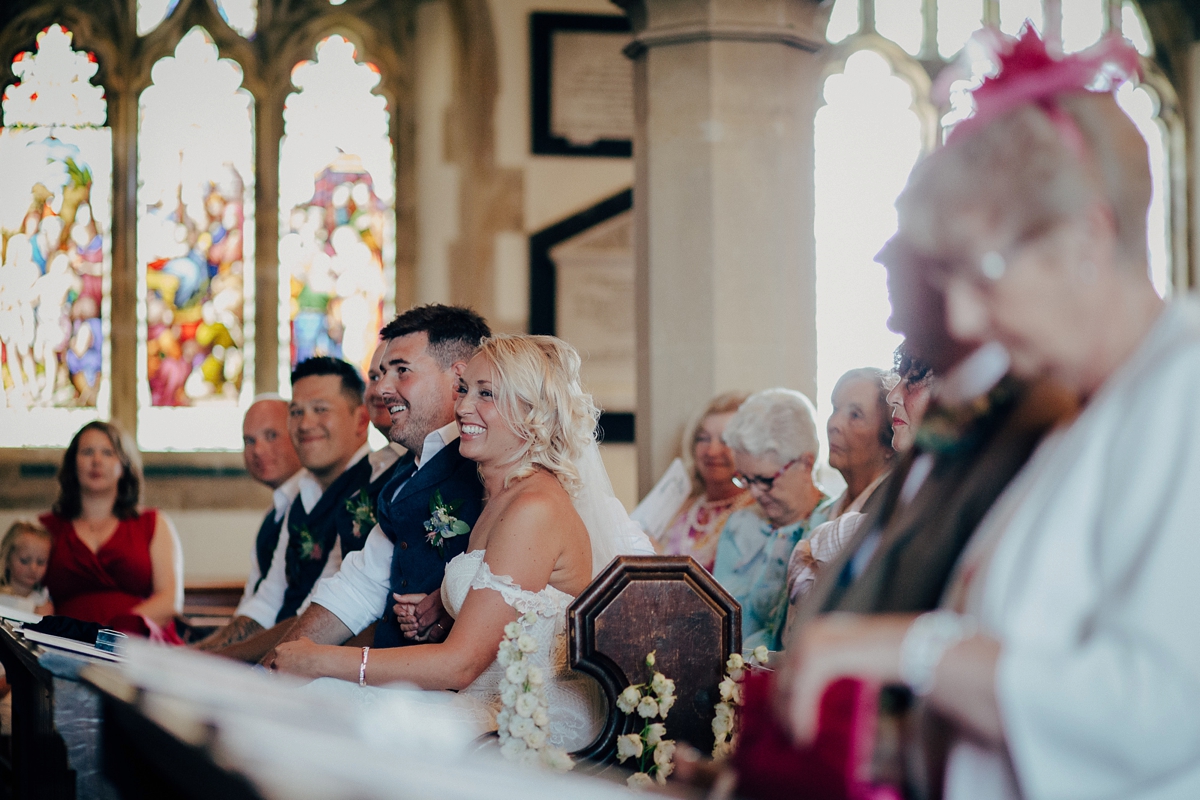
(426, 350)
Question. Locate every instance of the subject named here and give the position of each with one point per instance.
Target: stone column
(725, 92)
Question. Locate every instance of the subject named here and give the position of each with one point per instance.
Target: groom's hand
(422, 617)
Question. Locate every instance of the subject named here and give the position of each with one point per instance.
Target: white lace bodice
(577, 706)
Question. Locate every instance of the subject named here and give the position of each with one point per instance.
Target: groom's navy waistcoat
(417, 566)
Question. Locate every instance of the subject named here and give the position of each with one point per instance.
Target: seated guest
(25, 552)
(697, 526)
(426, 350)
(908, 398)
(111, 559)
(860, 437)
(271, 460)
(327, 425)
(551, 523)
(774, 440)
(1060, 660)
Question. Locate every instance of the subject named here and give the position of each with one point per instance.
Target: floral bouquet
(654, 753)
(725, 722)
(524, 720)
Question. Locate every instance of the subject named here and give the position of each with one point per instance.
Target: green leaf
(435, 501)
(458, 527)
(454, 506)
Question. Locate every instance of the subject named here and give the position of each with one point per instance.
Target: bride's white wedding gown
(576, 704)
(577, 707)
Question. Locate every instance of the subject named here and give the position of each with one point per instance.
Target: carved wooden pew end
(666, 604)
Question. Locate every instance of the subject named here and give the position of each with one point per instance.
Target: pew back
(666, 604)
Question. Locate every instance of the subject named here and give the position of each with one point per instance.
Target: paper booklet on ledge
(17, 615)
(659, 507)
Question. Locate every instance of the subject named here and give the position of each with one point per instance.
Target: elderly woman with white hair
(774, 441)
(1063, 661)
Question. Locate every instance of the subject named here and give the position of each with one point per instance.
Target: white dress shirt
(263, 605)
(359, 593)
(383, 458)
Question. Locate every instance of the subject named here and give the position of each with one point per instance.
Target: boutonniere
(442, 524)
(362, 512)
(310, 548)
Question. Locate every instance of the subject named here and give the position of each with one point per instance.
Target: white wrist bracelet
(927, 640)
(362, 668)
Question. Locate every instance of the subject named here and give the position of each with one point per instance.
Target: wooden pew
(666, 604)
(56, 722)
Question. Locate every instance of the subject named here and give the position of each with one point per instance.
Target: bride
(529, 425)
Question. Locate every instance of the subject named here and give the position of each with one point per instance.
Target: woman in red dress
(111, 558)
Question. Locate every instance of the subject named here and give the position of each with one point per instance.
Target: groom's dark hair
(454, 331)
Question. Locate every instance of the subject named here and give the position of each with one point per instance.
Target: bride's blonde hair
(537, 392)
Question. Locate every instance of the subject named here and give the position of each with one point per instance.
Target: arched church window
(195, 245)
(336, 200)
(867, 138)
(55, 210)
(872, 128)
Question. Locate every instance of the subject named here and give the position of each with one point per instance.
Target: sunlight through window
(1134, 29)
(902, 22)
(195, 203)
(1082, 23)
(336, 195)
(1142, 108)
(843, 20)
(957, 20)
(242, 15)
(867, 140)
(56, 170)
(1013, 14)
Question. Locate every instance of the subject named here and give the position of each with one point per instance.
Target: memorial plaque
(595, 308)
(582, 100)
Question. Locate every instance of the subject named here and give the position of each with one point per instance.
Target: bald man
(271, 460)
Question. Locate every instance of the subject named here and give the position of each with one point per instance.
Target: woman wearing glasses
(774, 441)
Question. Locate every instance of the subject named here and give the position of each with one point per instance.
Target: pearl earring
(992, 265)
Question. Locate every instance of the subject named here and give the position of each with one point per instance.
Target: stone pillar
(725, 93)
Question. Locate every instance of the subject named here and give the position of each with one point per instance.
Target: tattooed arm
(240, 629)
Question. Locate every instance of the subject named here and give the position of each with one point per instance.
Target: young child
(24, 552)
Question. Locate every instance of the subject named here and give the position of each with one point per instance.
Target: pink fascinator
(1029, 74)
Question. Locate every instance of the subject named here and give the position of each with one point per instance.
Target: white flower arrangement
(523, 723)
(725, 720)
(655, 754)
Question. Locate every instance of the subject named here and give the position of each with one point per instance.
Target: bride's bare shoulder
(536, 505)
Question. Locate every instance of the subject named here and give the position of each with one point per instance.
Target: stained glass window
(195, 250)
(55, 167)
(336, 195)
(150, 13)
(242, 15)
(867, 140)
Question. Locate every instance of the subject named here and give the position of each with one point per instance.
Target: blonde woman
(528, 424)
(697, 525)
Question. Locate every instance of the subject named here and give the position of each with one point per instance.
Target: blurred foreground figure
(1060, 661)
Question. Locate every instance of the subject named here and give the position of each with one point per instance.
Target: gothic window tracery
(336, 196)
(854, 217)
(55, 165)
(195, 250)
